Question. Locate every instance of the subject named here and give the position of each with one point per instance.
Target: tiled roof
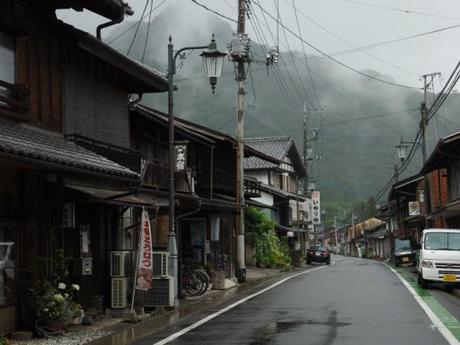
(276, 147)
(43, 145)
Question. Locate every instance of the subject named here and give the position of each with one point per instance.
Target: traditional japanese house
(442, 171)
(67, 174)
(279, 186)
(205, 185)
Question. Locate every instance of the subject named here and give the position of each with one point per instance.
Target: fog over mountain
(361, 121)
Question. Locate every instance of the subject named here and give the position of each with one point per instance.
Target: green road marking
(451, 323)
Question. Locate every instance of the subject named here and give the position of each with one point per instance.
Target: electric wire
(282, 62)
(129, 28)
(138, 26)
(214, 11)
(445, 92)
(297, 71)
(349, 43)
(315, 93)
(148, 32)
(334, 59)
(276, 75)
(401, 10)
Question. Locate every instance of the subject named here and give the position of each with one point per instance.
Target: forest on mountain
(354, 122)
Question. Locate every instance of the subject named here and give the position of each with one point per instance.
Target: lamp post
(213, 62)
(401, 152)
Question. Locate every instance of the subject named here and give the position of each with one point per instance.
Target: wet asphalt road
(353, 302)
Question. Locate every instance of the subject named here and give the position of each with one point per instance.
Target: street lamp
(213, 63)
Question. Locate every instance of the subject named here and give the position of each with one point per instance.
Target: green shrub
(270, 251)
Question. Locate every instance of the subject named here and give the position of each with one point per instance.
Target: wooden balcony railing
(251, 188)
(157, 174)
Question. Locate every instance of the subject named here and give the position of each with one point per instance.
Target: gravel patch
(70, 338)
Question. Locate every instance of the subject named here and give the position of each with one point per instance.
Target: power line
(261, 34)
(278, 77)
(132, 26)
(306, 59)
(335, 60)
(445, 92)
(401, 10)
(148, 32)
(349, 43)
(295, 68)
(214, 11)
(138, 26)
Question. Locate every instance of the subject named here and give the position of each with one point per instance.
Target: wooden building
(67, 173)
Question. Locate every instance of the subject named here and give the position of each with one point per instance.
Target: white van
(439, 259)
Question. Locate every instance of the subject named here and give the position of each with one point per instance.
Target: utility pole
(423, 111)
(240, 55)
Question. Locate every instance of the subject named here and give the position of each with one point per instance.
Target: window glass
(436, 240)
(7, 69)
(454, 241)
(6, 265)
(402, 244)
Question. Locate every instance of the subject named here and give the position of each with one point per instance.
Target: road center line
(230, 307)
(445, 332)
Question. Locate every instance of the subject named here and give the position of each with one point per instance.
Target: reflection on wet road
(353, 302)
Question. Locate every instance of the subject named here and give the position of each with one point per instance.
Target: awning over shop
(379, 234)
(283, 228)
(116, 197)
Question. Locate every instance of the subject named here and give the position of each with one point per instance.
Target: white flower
(66, 295)
(45, 310)
(58, 298)
(62, 286)
(76, 287)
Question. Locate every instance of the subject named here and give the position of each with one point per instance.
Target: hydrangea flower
(76, 287)
(62, 286)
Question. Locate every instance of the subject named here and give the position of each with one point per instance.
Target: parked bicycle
(195, 281)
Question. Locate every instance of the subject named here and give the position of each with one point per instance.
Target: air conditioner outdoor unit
(119, 293)
(161, 293)
(120, 263)
(160, 264)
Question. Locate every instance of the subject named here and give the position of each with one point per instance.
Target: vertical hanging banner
(145, 263)
(180, 156)
(316, 201)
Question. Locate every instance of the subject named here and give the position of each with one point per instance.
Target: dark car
(318, 254)
(404, 253)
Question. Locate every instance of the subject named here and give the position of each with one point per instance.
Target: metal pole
(240, 249)
(172, 240)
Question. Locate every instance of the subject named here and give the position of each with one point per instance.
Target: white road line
(230, 307)
(445, 332)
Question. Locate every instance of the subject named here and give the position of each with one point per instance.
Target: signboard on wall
(414, 208)
(316, 202)
(180, 157)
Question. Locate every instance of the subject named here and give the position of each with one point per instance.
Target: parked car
(318, 254)
(439, 258)
(404, 253)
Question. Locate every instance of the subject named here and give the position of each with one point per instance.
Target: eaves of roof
(148, 78)
(445, 151)
(47, 148)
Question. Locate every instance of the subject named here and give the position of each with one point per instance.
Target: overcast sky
(359, 23)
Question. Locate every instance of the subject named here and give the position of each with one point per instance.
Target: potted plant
(54, 303)
(54, 297)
